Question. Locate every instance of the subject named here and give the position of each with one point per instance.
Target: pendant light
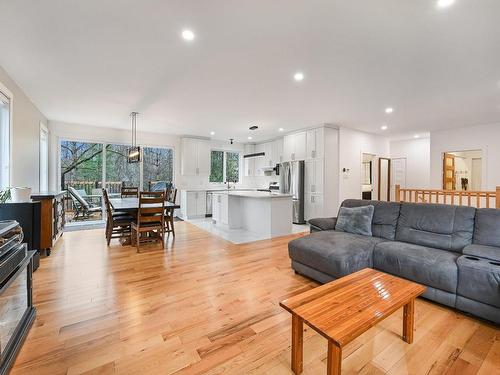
(134, 152)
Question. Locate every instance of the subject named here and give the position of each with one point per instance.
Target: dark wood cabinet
(52, 218)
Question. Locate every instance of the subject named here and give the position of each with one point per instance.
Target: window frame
(224, 167)
(104, 143)
(8, 94)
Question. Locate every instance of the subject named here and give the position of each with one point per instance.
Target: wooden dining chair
(118, 224)
(130, 192)
(150, 225)
(171, 196)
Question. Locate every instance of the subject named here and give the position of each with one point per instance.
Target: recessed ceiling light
(416, 136)
(389, 110)
(249, 137)
(281, 129)
(212, 133)
(383, 127)
(188, 35)
(299, 76)
(445, 3)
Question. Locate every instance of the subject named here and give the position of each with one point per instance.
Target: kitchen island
(265, 214)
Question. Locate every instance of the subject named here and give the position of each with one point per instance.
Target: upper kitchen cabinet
(315, 143)
(249, 163)
(260, 161)
(195, 157)
(295, 146)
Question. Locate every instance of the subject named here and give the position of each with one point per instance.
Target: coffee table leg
(334, 360)
(297, 344)
(408, 321)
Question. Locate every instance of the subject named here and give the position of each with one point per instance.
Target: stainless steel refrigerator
(292, 182)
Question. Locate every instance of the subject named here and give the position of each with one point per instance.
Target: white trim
(104, 144)
(10, 96)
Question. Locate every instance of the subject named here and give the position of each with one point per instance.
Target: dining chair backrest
(151, 208)
(171, 195)
(130, 192)
(75, 194)
(107, 203)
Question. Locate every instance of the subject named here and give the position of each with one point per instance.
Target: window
(87, 166)
(4, 141)
(158, 168)
(224, 166)
(118, 170)
(44, 158)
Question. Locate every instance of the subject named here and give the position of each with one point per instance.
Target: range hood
(255, 155)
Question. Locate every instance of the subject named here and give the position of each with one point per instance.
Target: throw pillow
(356, 220)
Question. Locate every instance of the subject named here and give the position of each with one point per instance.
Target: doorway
(367, 179)
(384, 179)
(462, 170)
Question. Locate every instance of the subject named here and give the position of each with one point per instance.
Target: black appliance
(29, 217)
(16, 299)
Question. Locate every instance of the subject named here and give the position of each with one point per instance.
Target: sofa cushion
(481, 251)
(487, 227)
(334, 253)
(424, 265)
(479, 280)
(436, 225)
(355, 220)
(323, 223)
(385, 216)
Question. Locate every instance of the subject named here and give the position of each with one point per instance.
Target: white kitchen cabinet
(295, 146)
(313, 207)
(220, 208)
(314, 176)
(249, 163)
(288, 147)
(315, 144)
(193, 203)
(260, 161)
(300, 146)
(278, 151)
(195, 157)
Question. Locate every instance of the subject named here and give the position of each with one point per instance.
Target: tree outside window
(224, 166)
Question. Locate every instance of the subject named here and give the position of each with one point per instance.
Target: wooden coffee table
(342, 310)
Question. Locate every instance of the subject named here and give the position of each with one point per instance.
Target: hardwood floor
(206, 306)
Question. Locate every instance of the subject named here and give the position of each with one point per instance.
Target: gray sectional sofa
(453, 250)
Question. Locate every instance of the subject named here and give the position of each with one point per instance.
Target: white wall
(352, 145)
(25, 136)
(417, 155)
(485, 138)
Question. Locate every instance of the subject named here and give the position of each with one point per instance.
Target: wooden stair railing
(477, 199)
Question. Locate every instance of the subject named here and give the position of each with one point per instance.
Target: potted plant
(4, 195)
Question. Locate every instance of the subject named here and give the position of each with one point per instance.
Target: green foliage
(232, 166)
(231, 161)
(217, 166)
(5, 195)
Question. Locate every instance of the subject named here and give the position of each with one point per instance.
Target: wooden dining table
(132, 204)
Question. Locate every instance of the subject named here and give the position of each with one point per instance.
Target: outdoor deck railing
(478, 199)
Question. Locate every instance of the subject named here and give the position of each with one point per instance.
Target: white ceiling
(95, 61)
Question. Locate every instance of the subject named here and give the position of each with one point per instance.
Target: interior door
(476, 173)
(449, 180)
(384, 179)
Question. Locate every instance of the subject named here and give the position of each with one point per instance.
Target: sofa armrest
(482, 251)
(321, 224)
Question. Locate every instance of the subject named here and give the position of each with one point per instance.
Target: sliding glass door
(119, 172)
(81, 177)
(86, 167)
(158, 168)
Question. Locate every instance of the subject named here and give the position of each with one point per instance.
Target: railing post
(497, 197)
(398, 193)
